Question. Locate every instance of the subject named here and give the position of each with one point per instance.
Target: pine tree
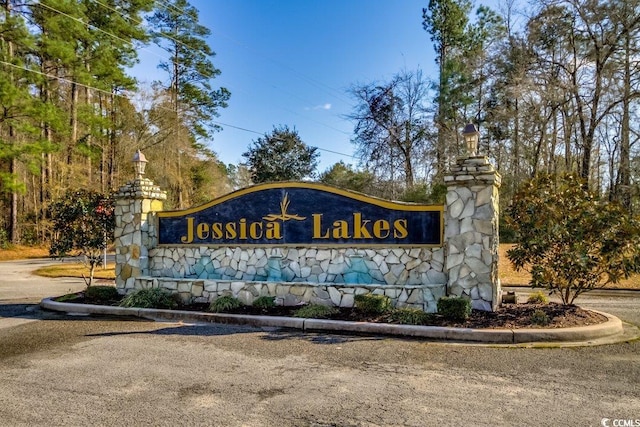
(194, 102)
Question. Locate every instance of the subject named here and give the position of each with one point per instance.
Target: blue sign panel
(302, 214)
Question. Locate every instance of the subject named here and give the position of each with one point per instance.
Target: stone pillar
(471, 232)
(135, 231)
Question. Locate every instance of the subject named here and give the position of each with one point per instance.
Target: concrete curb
(613, 325)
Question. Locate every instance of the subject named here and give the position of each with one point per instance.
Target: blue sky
(291, 62)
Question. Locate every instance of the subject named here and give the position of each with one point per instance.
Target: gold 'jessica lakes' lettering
(356, 227)
(359, 228)
(241, 230)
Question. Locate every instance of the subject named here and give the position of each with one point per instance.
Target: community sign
(302, 214)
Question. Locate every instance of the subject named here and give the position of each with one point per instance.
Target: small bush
(372, 304)
(315, 311)
(101, 293)
(151, 298)
(454, 308)
(539, 317)
(264, 302)
(225, 304)
(538, 297)
(410, 316)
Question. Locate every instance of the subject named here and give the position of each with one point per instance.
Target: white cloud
(326, 106)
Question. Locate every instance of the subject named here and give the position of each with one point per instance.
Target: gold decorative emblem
(283, 215)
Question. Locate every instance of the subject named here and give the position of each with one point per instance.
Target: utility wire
(328, 89)
(129, 99)
(171, 60)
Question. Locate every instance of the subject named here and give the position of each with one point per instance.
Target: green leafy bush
(569, 239)
(538, 297)
(101, 293)
(540, 318)
(315, 311)
(151, 298)
(372, 304)
(264, 302)
(410, 316)
(83, 224)
(225, 304)
(454, 308)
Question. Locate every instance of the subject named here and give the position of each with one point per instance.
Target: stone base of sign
(393, 266)
(423, 297)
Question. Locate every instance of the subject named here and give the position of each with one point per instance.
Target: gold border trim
(400, 206)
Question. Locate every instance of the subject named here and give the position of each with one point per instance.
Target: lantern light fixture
(471, 138)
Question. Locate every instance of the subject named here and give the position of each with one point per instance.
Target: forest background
(556, 93)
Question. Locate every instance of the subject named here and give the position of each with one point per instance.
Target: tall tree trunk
(623, 193)
(73, 122)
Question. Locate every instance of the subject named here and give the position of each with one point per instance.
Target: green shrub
(225, 304)
(539, 317)
(372, 304)
(101, 293)
(454, 308)
(410, 316)
(151, 298)
(315, 311)
(569, 239)
(538, 297)
(264, 302)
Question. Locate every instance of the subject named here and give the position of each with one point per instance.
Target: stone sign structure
(309, 243)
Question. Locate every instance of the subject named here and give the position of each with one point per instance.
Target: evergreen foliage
(454, 308)
(281, 156)
(569, 239)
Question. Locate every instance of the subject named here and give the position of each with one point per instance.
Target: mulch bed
(507, 316)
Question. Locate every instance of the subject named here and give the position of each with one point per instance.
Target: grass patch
(411, 316)
(150, 298)
(76, 270)
(315, 311)
(225, 304)
(510, 277)
(15, 252)
(264, 302)
(372, 304)
(68, 298)
(454, 308)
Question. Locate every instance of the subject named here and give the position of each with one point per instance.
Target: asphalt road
(62, 370)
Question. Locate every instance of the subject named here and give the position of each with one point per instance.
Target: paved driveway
(61, 370)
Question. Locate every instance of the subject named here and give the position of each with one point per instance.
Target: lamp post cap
(139, 157)
(470, 128)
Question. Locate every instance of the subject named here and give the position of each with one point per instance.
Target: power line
(328, 89)
(170, 59)
(129, 99)
(260, 133)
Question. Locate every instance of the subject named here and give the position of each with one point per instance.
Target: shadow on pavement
(217, 329)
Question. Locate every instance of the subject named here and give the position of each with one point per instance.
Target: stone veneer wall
(135, 230)
(471, 232)
(411, 277)
(396, 266)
